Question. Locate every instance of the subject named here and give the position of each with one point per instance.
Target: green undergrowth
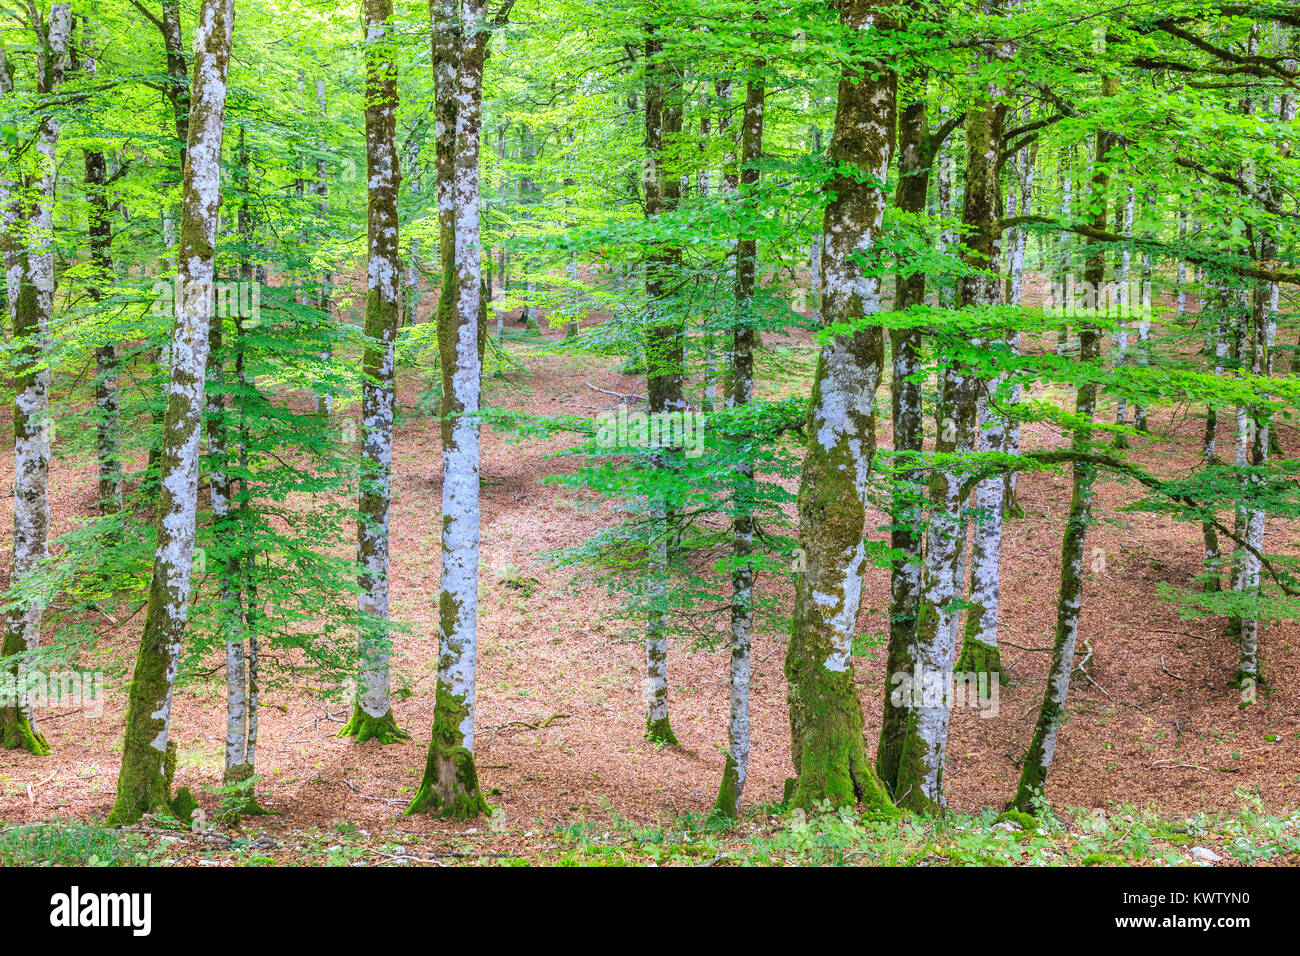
(769, 835)
(1120, 836)
(70, 844)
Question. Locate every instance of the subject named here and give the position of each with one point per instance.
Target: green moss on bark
(362, 727)
(660, 732)
(183, 805)
(449, 787)
(728, 802)
(18, 732)
(976, 657)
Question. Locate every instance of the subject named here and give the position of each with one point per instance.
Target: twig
(1168, 671)
(626, 395)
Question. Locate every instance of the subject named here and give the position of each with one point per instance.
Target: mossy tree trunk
(826, 729)
(142, 784)
(920, 772)
(742, 518)
(1042, 748)
(32, 313)
(372, 717)
(450, 783)
(917, 147)
(665, 357)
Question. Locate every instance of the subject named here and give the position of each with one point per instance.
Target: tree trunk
(324, 401)
(925, 739)
(143, 782)
(33, 311)
(372, 717)
(826, 743)
(742, 521)
(1038, 761)
(1125, 296)
(450, 783)
(665, 359)
(916, 150)
(108, 423)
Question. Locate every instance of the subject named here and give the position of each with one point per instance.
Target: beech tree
(373, 714)
(826, 743)
(31, 281)
(450, 783)
(144, 781)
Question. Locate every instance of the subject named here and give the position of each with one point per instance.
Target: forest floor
(1156, 732)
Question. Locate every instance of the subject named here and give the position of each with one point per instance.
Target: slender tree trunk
(411, 292)
(916, 149)
(11, 211)
(372, 717)
(1011, 445)
(1216, 351)
(450, 783)
(1125, 309)
(324, 401)
(177, 93)
(144, 780)
(33, 311)
(815, 252)
(1064, 244)
(665, 359)
(1038, 761)
(108, 423)
(742, 521)
(925, 738)
(1143, 309)
(826, 742)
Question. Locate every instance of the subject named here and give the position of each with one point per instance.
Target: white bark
(32, 310)
(1122, 282)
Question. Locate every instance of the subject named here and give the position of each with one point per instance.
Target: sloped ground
(560, 691)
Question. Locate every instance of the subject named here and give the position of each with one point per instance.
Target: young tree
(144, 780)
(742, 522)
(665, 358)
(32, 312)
(373, 714)
(450, 782)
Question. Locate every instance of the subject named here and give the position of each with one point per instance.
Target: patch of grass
(59, 844)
